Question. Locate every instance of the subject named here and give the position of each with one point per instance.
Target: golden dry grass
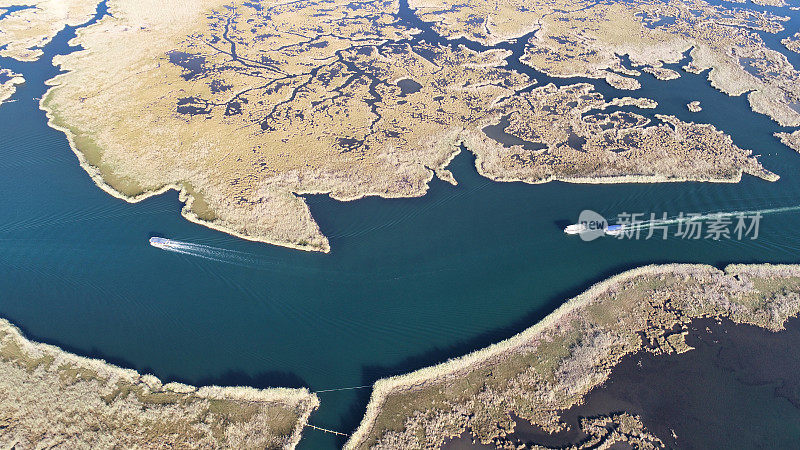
(51, 398)
(606, 147)
(792, 42)
(24, 32)
(9, 86)
(791, 140)
(242, 109)
(585, 38)
(551, 365)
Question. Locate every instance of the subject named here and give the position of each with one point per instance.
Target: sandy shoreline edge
(441, 172)
(118, 387)
(459, 366)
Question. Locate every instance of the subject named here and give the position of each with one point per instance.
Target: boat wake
(276, 265)
(217, 254)
(632, 225)
(710, 216)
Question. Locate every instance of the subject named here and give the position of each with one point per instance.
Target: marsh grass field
(54, 398)
(552, 365)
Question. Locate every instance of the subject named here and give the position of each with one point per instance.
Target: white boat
(576, 228)
(160, 242)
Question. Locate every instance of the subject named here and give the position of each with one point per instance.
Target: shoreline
(660, 395)
(93, 388)
(184, 196)
(273, 212)
(96, 174)
(455, 368)
(9, 87)
(386, 386)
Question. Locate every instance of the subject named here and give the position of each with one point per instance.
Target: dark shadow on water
(561, 224)
(370, 374)
(262, 380)
(738, 388)
(408, 86)
(92, 353)
(463, 169)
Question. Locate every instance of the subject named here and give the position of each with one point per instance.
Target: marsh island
(244, 107)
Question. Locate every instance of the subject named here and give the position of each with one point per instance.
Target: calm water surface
(409, 282)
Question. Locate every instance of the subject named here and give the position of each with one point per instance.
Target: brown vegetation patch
(244, 107)
(552, 365)
(53, 398)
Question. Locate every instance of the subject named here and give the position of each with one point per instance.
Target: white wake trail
(711, 216)
(216, 254)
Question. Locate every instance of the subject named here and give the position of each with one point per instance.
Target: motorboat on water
(160, 242)
(576, 228)
(610, 230)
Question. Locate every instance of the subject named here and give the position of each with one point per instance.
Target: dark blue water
(739, 388)
(409, 282)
